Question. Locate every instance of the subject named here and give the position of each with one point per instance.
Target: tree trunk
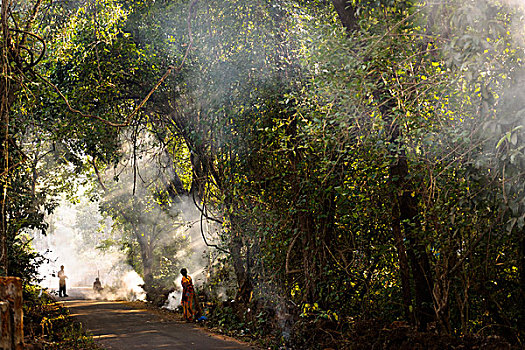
(417, 255)
(404, 269)
(310, 251)
(240, 264)
(521, 318)
(4, 132)
(346, 12)
(4, 158)
(405, 207)
(147, 259)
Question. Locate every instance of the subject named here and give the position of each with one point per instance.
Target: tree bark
(417, 255)
(147, 258)
(4, 131)
(521, 318)
(240, 263)
(346, 12)
(407, 201)
(404, 269)
(405, 208)
(4, 158)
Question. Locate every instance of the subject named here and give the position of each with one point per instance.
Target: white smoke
(195, 258)
(65, 244)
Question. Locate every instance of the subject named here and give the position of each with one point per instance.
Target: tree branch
(129, 118)
(206, 241)
(292, 244)
(98, 175)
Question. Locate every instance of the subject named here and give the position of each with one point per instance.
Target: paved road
(118, 325)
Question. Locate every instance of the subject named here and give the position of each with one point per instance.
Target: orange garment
(188, 294)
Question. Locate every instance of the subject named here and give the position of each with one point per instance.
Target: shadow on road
(119, 325)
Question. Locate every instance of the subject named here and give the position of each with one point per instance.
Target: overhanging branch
(129, 118)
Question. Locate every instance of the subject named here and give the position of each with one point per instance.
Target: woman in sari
(188, 296)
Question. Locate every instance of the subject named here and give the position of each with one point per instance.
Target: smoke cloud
(75, 232)
(84, 237)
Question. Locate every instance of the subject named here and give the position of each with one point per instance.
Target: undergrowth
(48, 325)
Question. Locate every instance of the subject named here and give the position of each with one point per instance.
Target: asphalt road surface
(120, 325)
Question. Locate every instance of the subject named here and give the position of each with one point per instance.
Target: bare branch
(203, 211)
(206, 241)
(288, 271)
(99, 178)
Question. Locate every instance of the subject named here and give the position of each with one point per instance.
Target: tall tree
(20, 50)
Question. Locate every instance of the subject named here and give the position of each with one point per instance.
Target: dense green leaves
(374, 171)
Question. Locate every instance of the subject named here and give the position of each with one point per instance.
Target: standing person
(188, 295)
(97, 285)
(62, 282)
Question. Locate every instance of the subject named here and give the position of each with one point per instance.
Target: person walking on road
(62, 282)
(188, 296)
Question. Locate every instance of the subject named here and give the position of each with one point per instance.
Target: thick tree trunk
(417, 255)
(407, 201)
(346, 12)
(404, 210)
(5, 170)
(11, 320)
(240, 263)
(4, 158)
(147, 259)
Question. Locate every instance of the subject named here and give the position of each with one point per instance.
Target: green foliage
(23, 260)
(299, 158)
(291, 131)
(49, 325)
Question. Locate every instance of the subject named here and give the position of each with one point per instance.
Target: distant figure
(62, 282)
(97, 286)
(188, 295)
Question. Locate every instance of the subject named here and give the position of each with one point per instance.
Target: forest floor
(124, 325)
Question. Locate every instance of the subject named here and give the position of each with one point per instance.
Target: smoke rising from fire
(73, 237)
(109, 237)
